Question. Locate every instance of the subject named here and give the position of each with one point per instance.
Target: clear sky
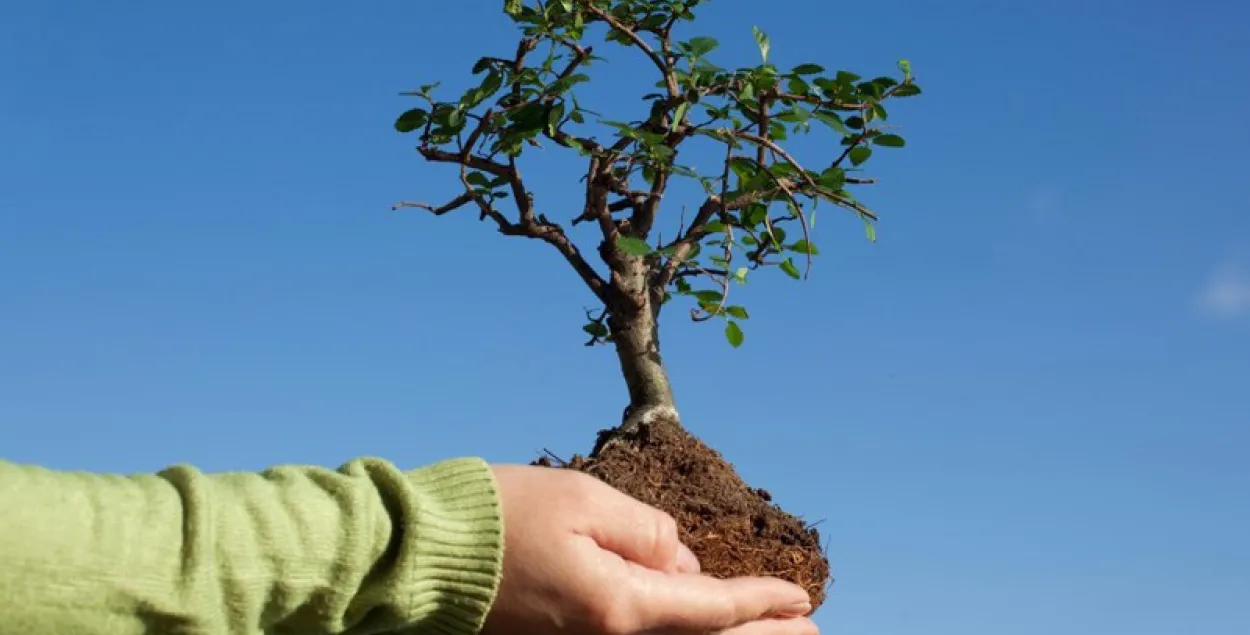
(1025, 410)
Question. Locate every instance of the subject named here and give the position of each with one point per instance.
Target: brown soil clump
(734, 529)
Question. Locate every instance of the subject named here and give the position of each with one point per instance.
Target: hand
(582, 558)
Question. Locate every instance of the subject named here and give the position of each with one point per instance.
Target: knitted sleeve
(366, 548)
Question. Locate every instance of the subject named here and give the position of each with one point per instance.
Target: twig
(603, 316)
(669, 80)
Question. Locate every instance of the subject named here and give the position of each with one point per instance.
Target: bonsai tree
(752, 212)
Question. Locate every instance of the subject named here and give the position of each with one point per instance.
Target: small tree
(753, 211)
(755, 206)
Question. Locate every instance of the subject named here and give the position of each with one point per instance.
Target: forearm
(366, 548)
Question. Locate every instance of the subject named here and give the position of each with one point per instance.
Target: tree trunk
(637, 340)
(636, 336)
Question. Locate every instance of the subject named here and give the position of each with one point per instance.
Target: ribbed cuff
(457, 548)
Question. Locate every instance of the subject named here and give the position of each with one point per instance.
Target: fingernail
(687, 562)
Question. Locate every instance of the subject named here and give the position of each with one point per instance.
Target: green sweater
(299, 550)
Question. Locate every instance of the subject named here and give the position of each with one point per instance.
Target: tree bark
(637, 340)
(634, 324)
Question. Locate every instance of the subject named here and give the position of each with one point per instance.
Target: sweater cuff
(457, 546)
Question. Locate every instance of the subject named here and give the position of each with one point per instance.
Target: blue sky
(1018, 412)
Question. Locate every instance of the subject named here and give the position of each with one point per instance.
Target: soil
(734, 529)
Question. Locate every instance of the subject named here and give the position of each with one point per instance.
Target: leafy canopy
(755, 207)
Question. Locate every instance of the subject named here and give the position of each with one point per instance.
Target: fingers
(687, 562)
(638, 532)
(700, 603)
(775, 626)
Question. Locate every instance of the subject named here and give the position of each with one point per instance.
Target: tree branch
(816, 188)
(684, 245)
(476, 162)
(529, 225)
(455, 204)
(823, 103)
(669, 80)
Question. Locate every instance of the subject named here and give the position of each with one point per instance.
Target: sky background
(1025, 410)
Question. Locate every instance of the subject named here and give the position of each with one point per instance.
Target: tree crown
(755, 206)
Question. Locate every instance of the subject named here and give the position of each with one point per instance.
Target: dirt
(734, 529)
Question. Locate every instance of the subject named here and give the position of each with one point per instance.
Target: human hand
(582, 558)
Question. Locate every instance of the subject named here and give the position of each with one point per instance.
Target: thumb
(638, 533)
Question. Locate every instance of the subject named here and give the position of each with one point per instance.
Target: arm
(363, 549)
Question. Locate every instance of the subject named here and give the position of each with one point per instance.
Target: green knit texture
(294, 550)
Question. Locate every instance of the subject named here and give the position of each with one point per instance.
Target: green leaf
(846, 77)
(808, 69)
(798, 87)
(870, 230)
(624, 129)
(743, 167)
(739, 312)
(530, 117)
(680, 115)
(906, 90)
(791, 270)
(889, 141)
(761, 40)
(805, 247)
(860, 154)
(411, 120)
(779, 234)
(564, 84)
(651, 22)
(783, 169)
(754, 214)
(711, 297)
(832, 120)
(491, 84)
(633, 246)
(596, 329)
(741, 275)
(681, 170)
(478, 179)
(455, 119)
(733, 333)
(905, 66)
(747, 93)
(554, 117)
(700, 46)
(872, 89)
(791, 116)
(833, 178)
(512, 7)
(777, 131)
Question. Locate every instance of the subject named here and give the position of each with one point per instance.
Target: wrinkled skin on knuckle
(664, 535)
(611, 614)
(655, 535)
